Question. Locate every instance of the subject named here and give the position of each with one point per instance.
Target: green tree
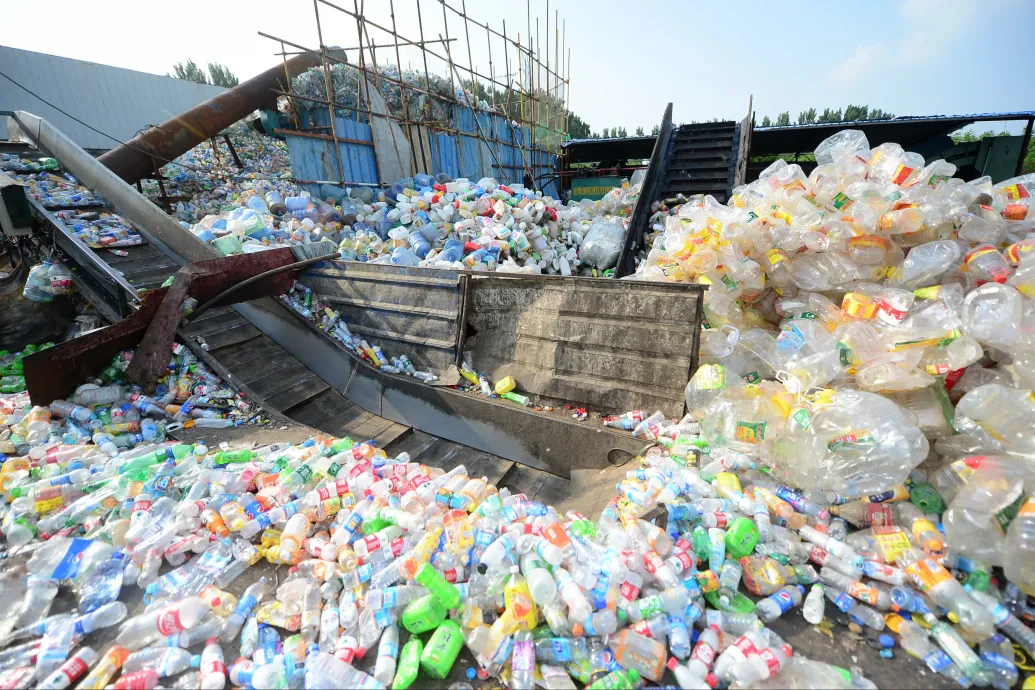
(830, 115)
(594, 135)
(766, 122)
(783, 119)
(622, 133)
(655, 130)
(878, 114)
(577, 127)
(807, 117)
(189, 71)
(639, 132)
(854, 113)
(220, 75)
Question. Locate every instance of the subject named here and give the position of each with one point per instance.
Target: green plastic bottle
(617, 680)
(702, 543)
(409, 664)
(741, 537)
(443, 648)
(423, 614)
(438, 586)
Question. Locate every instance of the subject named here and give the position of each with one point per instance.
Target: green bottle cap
(741, 537)
(926, 498)
(978, 580)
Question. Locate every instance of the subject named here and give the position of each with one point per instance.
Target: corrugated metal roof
(117, 101)
(974, 117)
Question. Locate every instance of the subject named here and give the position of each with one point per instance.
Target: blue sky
(629, 59)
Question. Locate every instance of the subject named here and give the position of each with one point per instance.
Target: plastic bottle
(387, 652)
(177, 616)
(70, 671)
(409, 664)
(775, 605)
(814, 605)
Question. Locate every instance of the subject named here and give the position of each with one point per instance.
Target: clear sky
(629, 58)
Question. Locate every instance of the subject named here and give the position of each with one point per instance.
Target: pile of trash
(213, 183)
(437, 222)
(302, 300)
(51, 189)
(310, 86)
(394, 567)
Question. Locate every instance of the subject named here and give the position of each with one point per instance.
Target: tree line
(851, 113)
(218, 75)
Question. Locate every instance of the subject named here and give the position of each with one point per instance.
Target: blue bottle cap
(471, 673)
(886, 641)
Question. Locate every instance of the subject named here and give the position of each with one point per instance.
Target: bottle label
(937, 660)
(562, 649)
(168, 622)
(864, 593)
(704, 653)
(523, 656)
(928, 574)
(245, 605)
(68, 567)
(684, 559)
(771, 660)
(784, 600)
(844, 602)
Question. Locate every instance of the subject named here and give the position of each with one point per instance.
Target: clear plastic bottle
(814, 606)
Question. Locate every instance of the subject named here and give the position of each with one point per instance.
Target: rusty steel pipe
(136, 159)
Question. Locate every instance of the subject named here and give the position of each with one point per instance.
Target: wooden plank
(204, 329)
(414, 444)
(296, 394)
(522, 479)
(368, 430)
(389, 435)
(265, 366)
(318, 408)
(279, 381)
(213, 313)
(233, 336)
(553, 490)
(237, 357)
(343, 419)
(481, 464)
(440, 454)
(344, 422)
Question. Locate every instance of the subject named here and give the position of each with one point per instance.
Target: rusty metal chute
(139, 157)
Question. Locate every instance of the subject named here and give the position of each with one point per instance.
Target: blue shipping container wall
(466, 155)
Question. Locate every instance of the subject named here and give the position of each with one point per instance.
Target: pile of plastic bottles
(12, 163)
(216, 185)
(383, 551)
(345, 82)
(437, 222)
(51, 189)
(302, 300)
(101, 230)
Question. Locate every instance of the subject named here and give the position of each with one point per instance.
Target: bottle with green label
(409, 664)
(438, 586)
(617, 680)
(442, 649)
(423, 614)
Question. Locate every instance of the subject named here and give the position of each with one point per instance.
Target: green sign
(592, 187)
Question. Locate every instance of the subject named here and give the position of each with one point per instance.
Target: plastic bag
(603, 243)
